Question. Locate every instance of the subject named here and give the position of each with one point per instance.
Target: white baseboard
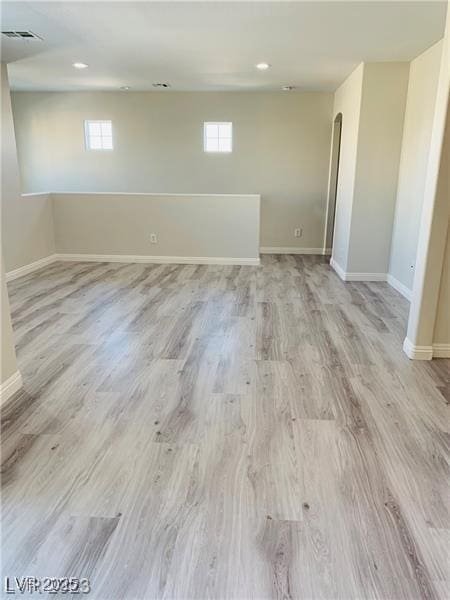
(190, 260)
(399, 286)
(417, 352)
(337, 267)
(441, 350)
(184, 260)
(10, 387)
(392, 281)
(349, 276)
(426, 352)
(290, 250)
(34, 266)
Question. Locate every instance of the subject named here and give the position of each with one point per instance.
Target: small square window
(98, 135)
(218, 137)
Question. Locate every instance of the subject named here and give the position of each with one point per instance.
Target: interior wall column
(433, 231)
(10, 377)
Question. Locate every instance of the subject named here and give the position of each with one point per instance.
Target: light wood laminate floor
(223, 432)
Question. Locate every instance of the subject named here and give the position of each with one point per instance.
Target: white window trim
(86, 135)
(205, 124)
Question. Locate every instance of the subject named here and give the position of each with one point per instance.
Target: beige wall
(280, 150)
(10, 191)
(27, 227)
(8, 358)
(384, 90)
(434, 219)
(442, 325)
(422, 89)
(347, 100)
(186, 226)
(372, 104)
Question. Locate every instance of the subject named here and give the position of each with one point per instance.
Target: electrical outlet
(298, 232)
(153, 238)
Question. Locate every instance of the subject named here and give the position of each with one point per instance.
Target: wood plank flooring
(193, 432)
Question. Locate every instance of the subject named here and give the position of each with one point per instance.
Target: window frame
(205, 137)
(87, 137)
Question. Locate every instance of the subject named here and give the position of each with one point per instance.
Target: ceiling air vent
(22, 35)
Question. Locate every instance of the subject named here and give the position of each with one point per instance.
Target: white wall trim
(399, 286)
(188, 260)
(417, 352)
(126, 258)
(441, 350)
(348, 276)
(31, 194)
(87, 193)
(10, 387)
(337, 267)
(34, 266)
(289, 250)
(387, 277)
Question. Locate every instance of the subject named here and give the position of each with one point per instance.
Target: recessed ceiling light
(80, 65)
(263, 66)
(125, 88)
(288, 88)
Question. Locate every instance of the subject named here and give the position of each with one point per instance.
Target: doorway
(334, 174)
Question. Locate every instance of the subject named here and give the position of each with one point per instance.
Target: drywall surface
(185, 225)
(439, 250)
(442, 324)
(419, 115)
(27, 223)
(384, 91)
(433, 220)
(347, 100)
(281, 145)
(8, 358)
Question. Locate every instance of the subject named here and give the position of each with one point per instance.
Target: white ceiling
(210, 45)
